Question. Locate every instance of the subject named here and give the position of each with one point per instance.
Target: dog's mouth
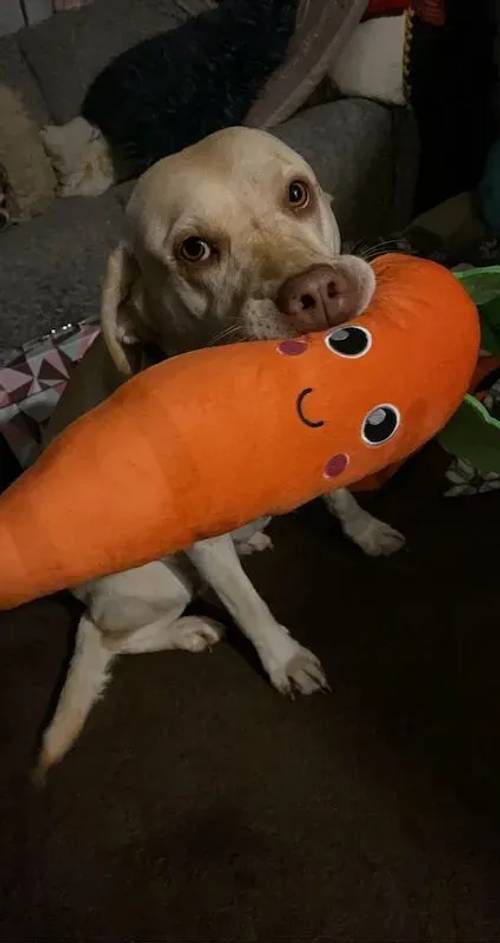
(261, 319)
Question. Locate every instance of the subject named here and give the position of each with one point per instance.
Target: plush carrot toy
(205, 442)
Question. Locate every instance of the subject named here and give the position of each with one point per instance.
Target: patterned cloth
(32, 380)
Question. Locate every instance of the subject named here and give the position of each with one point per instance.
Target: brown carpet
(200, 806)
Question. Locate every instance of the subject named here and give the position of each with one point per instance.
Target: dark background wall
(456, 96)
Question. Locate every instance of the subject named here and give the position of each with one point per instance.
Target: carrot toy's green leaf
(483, 287)
(474, 435)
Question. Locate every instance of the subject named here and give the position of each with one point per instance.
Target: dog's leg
(251, 538)
(87, 677)
(373, 536)
(189, 633)
(89, 672)
(290, 667)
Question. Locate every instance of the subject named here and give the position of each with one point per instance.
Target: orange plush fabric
(205, 442)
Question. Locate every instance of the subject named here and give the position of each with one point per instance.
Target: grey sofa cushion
(349, 145)
(51, 268)
(67, 51)
(16, 75)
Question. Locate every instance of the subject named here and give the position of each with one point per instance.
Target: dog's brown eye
(298, 194)
(194, 249)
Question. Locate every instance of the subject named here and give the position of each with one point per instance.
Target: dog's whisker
(369, 252)
(356, 248)
(233, 331)
(220, 336)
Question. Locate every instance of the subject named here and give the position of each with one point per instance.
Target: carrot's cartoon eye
(380, 424)
(349, 341)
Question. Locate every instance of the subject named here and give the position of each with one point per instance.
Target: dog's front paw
(376, 538)
(194, 634)
(255, 544)
(296, 670)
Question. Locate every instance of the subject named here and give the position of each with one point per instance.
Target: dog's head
(230, 239)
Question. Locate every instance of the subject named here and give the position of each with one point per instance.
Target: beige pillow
(31, 180)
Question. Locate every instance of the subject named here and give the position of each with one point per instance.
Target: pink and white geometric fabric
(32, 380)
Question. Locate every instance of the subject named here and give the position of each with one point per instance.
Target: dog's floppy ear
(122, 305)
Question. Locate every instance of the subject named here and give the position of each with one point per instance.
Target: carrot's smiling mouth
(313, 424)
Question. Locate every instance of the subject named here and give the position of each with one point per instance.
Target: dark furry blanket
(175, 88)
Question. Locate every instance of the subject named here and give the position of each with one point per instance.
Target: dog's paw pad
(300, 674)
(256, 544)
(377, 539)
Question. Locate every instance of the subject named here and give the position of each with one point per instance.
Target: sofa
(52, 264)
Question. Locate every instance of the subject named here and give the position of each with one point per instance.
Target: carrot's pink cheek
(293, 348)
(336, 465)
